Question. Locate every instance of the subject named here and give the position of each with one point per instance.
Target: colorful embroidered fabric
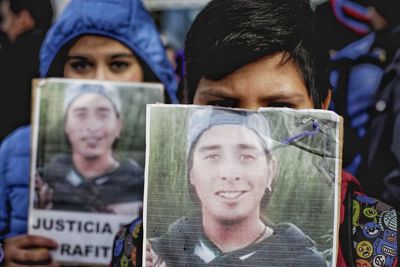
(127, 243)
(375, 232)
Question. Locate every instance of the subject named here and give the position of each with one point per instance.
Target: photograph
(87, 168)
(219, 194)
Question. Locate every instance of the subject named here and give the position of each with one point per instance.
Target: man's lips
(231, 194)
(92, 141)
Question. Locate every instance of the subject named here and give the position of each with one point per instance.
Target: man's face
(102, 58)
(92, 125)
(230, 173)
(269, 82)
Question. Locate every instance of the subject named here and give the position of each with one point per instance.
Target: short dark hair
(229, 34)
(40, 10)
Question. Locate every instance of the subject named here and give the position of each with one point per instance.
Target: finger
(42, 197)
(49, 203)
(149, 252)
(14, 264)
(28, 241)
(148, 246)
(44, 190)
(37, 181)
(149, 263)
(50, 194)
(32, 256)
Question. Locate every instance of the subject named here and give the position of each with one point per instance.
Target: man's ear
(119, 125)
(272, 168)
(191, 177)
(327, 101)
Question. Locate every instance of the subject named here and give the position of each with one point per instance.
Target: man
(91, 178)
(25, 24)
(231, 175)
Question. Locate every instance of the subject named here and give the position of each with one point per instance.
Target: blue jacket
(14, 183)
(124, 20)
(355, 78)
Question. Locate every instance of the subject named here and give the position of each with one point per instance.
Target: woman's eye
(81, 66)
(118, 66)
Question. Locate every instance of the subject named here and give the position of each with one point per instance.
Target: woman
(104, 40)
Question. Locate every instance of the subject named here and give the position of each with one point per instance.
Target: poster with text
(234, 187)
(87, 164)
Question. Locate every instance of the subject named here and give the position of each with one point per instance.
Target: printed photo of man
(91, 178)
(231, 174)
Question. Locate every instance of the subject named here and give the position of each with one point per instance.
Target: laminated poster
(233, 187)
(87, 165)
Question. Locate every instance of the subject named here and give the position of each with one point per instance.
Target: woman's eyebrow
(113, 56)
(79, 57)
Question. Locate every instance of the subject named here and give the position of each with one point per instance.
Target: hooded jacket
(123, 20)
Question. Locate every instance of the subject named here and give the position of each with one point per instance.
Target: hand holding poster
(241, 188)
(87, 163)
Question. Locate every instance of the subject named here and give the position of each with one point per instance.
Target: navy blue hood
(126, 21)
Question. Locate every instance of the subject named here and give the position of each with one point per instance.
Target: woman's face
(102, 58)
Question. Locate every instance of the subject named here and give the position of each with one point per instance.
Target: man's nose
(229, 172)
(93, 124)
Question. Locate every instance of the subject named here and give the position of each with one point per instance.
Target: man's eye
(103, 115)
(213, 156)
(118, 66)
(247, 157)
(225, 102)
(80, 115)
(280, 105)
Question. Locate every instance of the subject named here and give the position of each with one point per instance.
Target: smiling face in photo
(92, 125)
(230, 173)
